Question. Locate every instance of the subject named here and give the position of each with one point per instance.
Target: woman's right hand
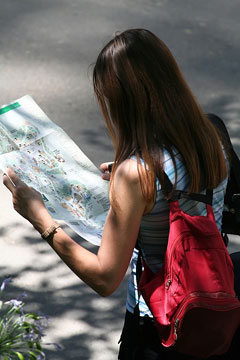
(27, 201)
(104, 168)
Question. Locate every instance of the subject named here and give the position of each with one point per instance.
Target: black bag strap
(219, 124)
(235, 162)
(178, 194)
(232, 197)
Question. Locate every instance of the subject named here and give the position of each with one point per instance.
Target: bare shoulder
(128, 171)
(127, 181)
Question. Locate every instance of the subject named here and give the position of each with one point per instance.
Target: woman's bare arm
(105, 270)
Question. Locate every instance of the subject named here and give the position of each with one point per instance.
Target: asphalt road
(47, 48)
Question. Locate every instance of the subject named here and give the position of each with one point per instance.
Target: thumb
(11, 180)
(13, 177)
(7, 181)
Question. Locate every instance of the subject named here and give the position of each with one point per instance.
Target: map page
(46, 158)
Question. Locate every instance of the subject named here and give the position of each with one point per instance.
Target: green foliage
(20, 333)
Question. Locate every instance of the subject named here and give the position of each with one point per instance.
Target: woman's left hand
(27, 201)
(104, 168)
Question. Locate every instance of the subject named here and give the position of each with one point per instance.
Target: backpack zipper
(175, 331)
(176, 243)
(168, 283)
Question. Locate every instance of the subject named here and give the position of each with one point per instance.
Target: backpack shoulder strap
(178, 194)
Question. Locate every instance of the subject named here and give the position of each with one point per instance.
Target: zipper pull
(168, 283)
(176, 329)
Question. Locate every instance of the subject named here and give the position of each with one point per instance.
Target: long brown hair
(148, 107)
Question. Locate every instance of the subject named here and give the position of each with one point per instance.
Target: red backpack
(192, 297)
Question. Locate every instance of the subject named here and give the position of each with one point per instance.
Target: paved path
(46, 49)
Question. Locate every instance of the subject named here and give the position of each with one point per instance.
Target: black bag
(231, 213)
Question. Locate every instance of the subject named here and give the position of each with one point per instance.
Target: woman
(156, 125)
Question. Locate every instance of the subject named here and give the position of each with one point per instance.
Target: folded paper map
(46, 158)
